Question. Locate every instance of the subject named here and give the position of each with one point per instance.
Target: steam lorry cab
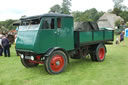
(51, 39)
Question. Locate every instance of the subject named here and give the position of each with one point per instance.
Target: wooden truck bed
(92, 37)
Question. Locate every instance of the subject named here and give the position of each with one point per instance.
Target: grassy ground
(113, 71)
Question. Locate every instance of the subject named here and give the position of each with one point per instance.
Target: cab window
(32, 24)
(49, 23)
(58, 22)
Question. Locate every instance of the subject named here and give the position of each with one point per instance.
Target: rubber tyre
(56, 57)
(100, 53)
(28, 64)
(93, 57)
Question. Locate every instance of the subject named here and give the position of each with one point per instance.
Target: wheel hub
(101, 53)
(57, 63)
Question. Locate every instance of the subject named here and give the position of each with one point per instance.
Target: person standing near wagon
(6, 48)
(122, 36)
(1, 49)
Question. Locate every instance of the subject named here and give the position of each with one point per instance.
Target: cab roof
(46, 15)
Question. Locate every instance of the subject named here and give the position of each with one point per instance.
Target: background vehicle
(50, 39)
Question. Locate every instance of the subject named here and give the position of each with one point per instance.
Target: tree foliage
(117, 3)
(120, 9)
(66, 6)
(56, 9)
(124, 15)
(117, 6)
(7, 25)
(117, 11)
(88, 15)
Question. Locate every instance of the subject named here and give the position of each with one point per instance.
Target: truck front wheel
(27, 63)
(56, 62)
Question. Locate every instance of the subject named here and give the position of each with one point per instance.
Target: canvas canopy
(85, 26)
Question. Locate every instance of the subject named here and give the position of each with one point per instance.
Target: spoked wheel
(56, 62)
(27, 63)
(99, 54)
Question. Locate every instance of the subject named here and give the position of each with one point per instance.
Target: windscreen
(29, 25)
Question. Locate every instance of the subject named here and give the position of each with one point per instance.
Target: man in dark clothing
(1, 50)
(6, 48)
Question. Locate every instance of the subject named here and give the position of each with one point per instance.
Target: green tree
(117, 7)
(88, 15)
(66, 6)
(56, 9)
(7, 25)
(124, 15)
(120, 10)
(117, 3)
(117, 11)
(77, 15)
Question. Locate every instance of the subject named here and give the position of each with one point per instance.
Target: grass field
(113, 71)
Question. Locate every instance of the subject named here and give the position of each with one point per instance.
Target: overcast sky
(14, 9)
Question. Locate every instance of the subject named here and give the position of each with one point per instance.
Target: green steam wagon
(51, 39)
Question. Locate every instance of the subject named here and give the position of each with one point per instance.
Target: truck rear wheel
(27, 63)
(99, 53)
(56, 62)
